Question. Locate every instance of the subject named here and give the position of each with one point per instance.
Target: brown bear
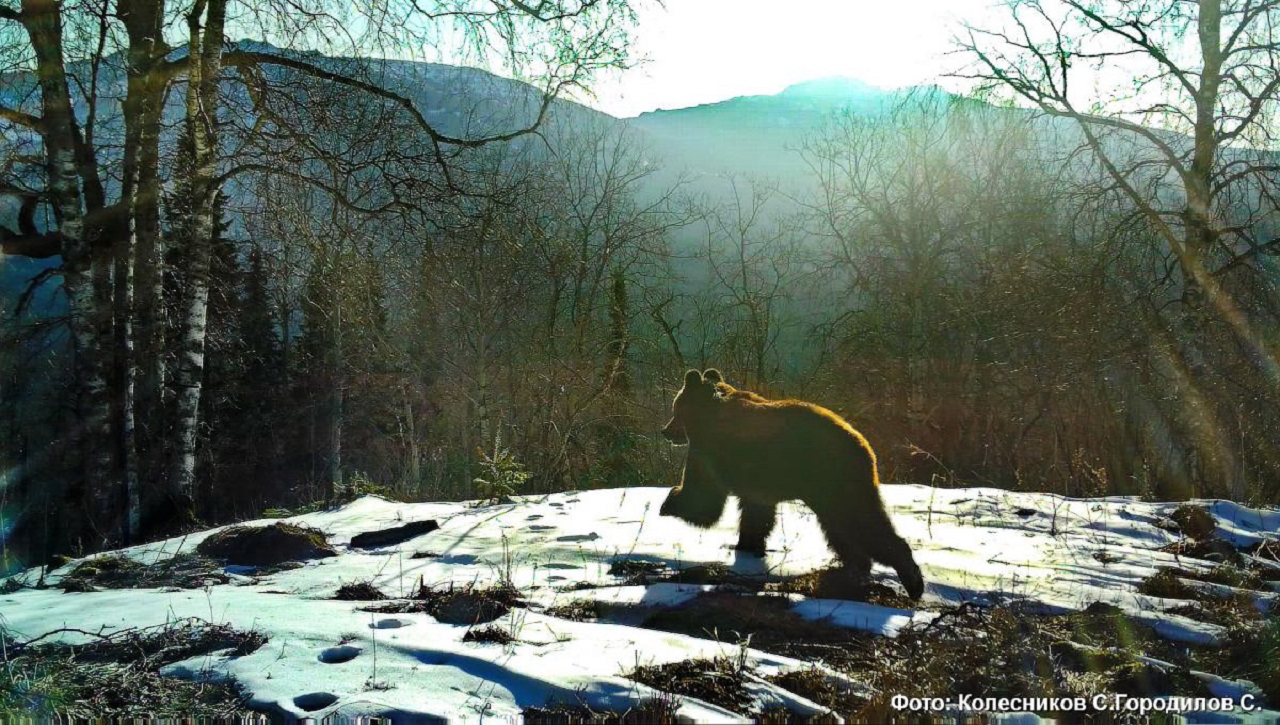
(767, 451)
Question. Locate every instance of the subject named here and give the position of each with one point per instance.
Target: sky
(702, 51)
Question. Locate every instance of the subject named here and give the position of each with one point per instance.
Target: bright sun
(702, 51)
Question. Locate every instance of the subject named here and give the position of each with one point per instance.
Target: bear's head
(694, 402)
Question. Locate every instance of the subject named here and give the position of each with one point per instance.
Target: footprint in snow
(390, 624)
(339, 654)
(313, 701)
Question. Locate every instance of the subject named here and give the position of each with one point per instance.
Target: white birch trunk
(43, 23)
(204, 63)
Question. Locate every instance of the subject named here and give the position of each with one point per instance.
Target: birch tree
(74, 193)
(112, 250)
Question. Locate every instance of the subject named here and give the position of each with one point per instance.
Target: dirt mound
(266, 545)
(359, 592)
(466, 604)
(1194, 521)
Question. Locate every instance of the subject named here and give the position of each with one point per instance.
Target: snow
(325, 657)
(886, 621)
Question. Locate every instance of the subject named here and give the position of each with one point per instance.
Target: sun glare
(702, 51)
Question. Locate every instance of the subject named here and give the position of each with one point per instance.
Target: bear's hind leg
(755, 526)
(855, 562)
(885, 546)
(892, 550)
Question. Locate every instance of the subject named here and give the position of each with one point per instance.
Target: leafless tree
(56, 56)
(1176, 102)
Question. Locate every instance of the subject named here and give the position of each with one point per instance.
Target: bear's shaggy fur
(767, 451)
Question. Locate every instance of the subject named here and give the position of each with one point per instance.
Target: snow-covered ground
(325, 657)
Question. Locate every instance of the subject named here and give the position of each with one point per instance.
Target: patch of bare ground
(1232, 607)
(819, 688)
(972, 650)
(184, 571)
(266, 545)
(766, 620)
(1267, 550)
(468, 604)
(638, 571)
(489, 634)
(718, 681)
(1251, 567)
(1248, 567)
(835, 583)
(1195, 522)
(1232, 576)
(359, 591)
(1211, 549)
(1251, 652)
(713, 573)
(578, 610)
(117, 676)
(654, 711)
(1264, 560)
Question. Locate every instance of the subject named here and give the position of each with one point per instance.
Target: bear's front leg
(699, 499)
(755, 526)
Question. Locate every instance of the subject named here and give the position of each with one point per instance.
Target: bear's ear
(692, 378)
(711, 375)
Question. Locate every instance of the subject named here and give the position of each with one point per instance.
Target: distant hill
(458, 101)
(757, 134)
(753, 135)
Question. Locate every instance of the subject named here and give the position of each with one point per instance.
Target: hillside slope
(595, 608)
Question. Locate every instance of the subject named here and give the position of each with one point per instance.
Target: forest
(277, 272)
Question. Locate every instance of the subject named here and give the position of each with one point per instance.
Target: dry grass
(638, 571)
(1167, 583)
(1227, 610)
(654, 711)
(966, 650)
(363, 591)
(1251, 652)
(767, 621)
(117, 676)
(185, 571)
(718, 681)
(491, 634)
(820, 688)
(467, 604)
(579, 610)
